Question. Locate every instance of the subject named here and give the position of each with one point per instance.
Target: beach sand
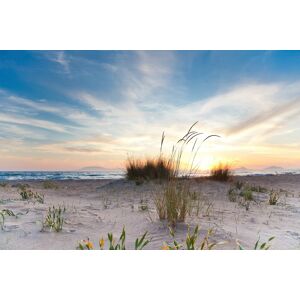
(96, 207)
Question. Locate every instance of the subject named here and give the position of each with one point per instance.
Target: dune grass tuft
(54, 219)
(177, 201)
(221, 173)
(148, 169)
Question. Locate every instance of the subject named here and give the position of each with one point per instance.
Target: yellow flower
(101, 243)
(89, 245)
(165, 247)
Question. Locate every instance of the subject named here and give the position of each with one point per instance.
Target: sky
(65, 110)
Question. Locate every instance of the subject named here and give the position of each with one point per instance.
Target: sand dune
(96, 207)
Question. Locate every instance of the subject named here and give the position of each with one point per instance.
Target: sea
(60, 175)
(115, 174)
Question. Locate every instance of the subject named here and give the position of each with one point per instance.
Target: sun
(206, 163)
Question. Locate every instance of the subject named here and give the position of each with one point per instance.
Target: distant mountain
(242, 169)
(273, 168)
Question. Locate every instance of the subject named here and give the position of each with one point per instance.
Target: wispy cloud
(90, 121)
(60, 58)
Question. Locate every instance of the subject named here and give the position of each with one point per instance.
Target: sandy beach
(96, 207)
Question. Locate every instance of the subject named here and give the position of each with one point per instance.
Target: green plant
(55, 218)
(273, 197)
(220, 173)
(3, 184)
(232, 194)
(191, 241)
(148, 169)
(247, 194)
(48, 184)
(121, 243)
(3, 213)
(239, 184)
(258, 245)
(28, 194)
(176, 200)
(85, 245)
(140, 243)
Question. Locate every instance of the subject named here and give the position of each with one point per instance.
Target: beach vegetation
(85, 245)
(233, 194)
(191, 240)
(148, 169)
(54, 219)
(259, 245)
(247, 194)
(3, 184)
(239, 184)
(27, 194)
(273, 197)
(221, 172)
(139, 244)
(3, 214)
(176, 200)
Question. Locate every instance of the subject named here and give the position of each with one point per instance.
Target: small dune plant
(239, 184)
(48, 184)
(258, 245)
(247, 194)
(221, 172)
(232, 194)
(191, 241)
(140, 243)
(258, 189)
(3, 184)
(3, 214)
(54, 219)
(273, 197)
(29, 195)
(176, 200)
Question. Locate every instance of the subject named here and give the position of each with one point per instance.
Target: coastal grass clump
(233, 194)
(243, 195)
(176, 200)
(27, 194)
(54, 219)
(3, 184)
(148, 169)
(273, 197)
(221, 173)
(3, 214)
(139, 244)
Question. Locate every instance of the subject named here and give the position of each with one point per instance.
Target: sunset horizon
(66, 110)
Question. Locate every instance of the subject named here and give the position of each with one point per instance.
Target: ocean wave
(59, 175)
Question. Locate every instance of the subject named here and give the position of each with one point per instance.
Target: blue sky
(71, 109)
